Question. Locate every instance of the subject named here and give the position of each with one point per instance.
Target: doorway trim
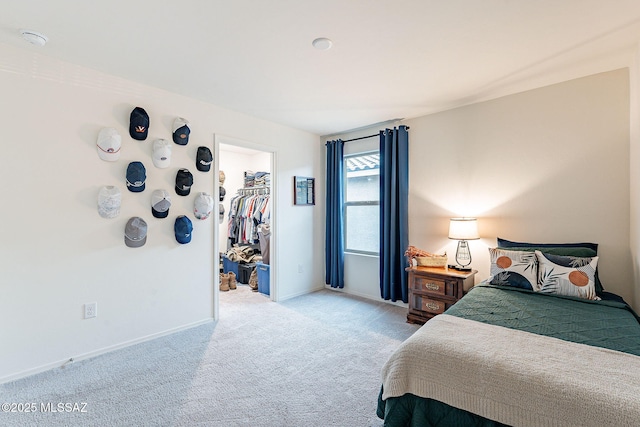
(273, 258)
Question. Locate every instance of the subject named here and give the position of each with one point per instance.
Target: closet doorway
(249, 183)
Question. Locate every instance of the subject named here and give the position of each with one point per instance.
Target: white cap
(160, 203)
(109, 143)
(161, 153)
(203, 206)
(109, 199)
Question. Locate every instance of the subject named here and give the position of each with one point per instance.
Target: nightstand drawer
(428, 284)
(428, 305)
(434, 290)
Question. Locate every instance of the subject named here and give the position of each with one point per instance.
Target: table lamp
(463, 229)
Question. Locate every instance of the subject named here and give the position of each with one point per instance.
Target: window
(362, 203)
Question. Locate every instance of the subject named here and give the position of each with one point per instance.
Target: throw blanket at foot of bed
(515, 377)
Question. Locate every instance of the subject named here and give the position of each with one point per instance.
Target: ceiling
(390, 58)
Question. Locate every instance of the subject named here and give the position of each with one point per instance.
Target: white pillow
(567, 275)
(514, 268)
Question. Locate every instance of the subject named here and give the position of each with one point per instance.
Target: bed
(522, 348)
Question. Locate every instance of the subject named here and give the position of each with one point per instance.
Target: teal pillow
(511, 244)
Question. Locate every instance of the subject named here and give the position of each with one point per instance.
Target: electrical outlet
(90, 310)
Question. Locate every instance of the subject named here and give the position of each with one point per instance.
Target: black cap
(204, 158)
(184, 181)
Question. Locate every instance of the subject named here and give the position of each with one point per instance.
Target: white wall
(57, 253)
(634, 165)
(546, 165)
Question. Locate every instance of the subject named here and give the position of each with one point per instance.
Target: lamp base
(459, 268)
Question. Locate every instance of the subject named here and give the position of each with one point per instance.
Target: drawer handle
(431, 286)
(432, 306)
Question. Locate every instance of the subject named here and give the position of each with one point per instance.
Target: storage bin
(263, 278)
(244, 272)
(228, 265)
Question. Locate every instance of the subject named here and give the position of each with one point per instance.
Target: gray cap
(135, 232)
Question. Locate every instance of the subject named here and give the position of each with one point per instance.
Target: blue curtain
(394, 206)
(334, 239)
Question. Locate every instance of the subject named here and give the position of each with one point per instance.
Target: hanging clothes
(264, 232)
(245, 214)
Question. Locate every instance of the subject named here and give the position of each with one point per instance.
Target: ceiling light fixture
(34, 37)
(322, 43)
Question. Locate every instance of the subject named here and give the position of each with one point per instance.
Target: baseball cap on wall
(181, 131)
(109, 143)
(204, 158)
(136, 176)
(135, 232)
(160, 203)
(202, 206)
(138, 124)
(220, 213)
(109, 200)
(184, 181)
(223, 192)
(183, 229)
(161, 153)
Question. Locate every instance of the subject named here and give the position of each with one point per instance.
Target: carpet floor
(314, 360)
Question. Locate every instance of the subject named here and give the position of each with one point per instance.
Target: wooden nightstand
(433, 290)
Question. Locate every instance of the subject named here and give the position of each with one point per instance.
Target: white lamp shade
(463, 229)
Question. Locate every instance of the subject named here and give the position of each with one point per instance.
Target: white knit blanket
(514, 377)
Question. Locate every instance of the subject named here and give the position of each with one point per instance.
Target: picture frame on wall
(304, 191)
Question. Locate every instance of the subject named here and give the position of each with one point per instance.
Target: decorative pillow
(584, 250)
(567, 275)
(514, 268)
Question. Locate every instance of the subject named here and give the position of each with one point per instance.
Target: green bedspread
(606, 324)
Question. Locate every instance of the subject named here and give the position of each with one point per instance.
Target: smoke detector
(34, 37)
(322, 43)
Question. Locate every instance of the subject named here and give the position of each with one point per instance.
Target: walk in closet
(245, 218)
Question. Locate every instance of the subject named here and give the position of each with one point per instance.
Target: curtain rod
(365, 137)
(362, 137)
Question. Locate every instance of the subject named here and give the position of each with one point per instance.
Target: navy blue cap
(139, 124)
(181, 131)
(136, 176)
(183, 229)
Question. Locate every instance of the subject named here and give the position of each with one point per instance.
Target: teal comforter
(607, 324)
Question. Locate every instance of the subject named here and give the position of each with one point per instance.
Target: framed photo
(304, 190)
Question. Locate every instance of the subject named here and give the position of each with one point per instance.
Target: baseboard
(367, 296)
(305, 292)
(94, 353)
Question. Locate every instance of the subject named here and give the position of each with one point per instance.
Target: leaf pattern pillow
(514, 268)
(567, 275)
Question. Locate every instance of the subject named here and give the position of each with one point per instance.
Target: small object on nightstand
(458, 268)
(433, 290)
